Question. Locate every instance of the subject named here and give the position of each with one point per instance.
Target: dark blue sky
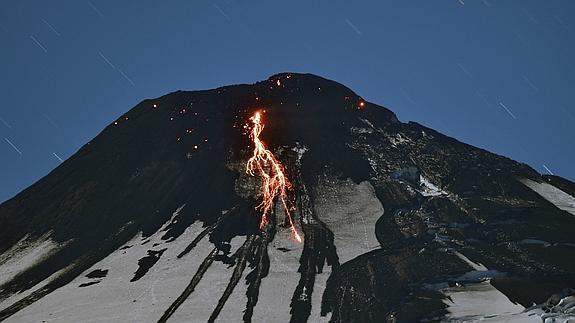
(495, 74)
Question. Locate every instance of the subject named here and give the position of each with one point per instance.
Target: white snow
(350, 211)
(479, 301)
(277, 288)
(557, 197)
(300, 150)
(317, 295)
(24, 255)
(398, 139)
(361, 130)
(563, 312)
(475, 266)
(367, 122)
(211, 287)
(428, 188)
(116, 299)
(17, 297)
(482, 302)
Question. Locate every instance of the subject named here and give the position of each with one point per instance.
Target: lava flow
(274, 182)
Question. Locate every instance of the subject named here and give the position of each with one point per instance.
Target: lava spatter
(274, 183)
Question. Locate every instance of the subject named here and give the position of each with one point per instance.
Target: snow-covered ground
(207, 293)
(481, 302)
(350, 211)
(552, 194)
(476, 300)
(277, 288)
(19, 296)
(25, 254)
(475, 266)
(116, 299)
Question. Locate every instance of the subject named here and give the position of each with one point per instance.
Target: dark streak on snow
(98, 273)
(260, 263)
(89, 283)
(147, 262)
(205, 232)
(318, 250)
(241, 256)
(191, 286)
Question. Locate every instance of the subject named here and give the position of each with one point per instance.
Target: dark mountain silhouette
(395, 216)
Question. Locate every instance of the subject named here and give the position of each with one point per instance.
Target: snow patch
(19, 296)
(481, 302)
(25, 254)
(277, 288)
(358, 130)
(398, 139)
(202, 302)
(350, 211)
(300, 150)
(563, 312)
(557, 197)
(428, 188)
(116, 299)
(475, 266)
(367, 122)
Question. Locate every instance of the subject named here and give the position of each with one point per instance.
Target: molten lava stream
(274, 181)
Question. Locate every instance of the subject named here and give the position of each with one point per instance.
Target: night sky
(499, 75)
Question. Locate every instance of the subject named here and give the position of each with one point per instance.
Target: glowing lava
(274, 182)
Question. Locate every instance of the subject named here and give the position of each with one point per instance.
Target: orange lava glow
(274, 181)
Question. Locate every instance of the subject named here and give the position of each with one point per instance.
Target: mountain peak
(392, 215)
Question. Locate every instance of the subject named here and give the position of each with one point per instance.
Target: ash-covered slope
(155, 219)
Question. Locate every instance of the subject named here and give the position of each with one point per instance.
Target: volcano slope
(155, 219)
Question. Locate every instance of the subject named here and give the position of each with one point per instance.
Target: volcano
(157, 220)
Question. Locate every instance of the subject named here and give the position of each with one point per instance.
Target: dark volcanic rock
(146, 263)
(98, 273)
(89, 283)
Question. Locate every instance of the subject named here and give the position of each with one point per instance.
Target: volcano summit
(184, 210)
